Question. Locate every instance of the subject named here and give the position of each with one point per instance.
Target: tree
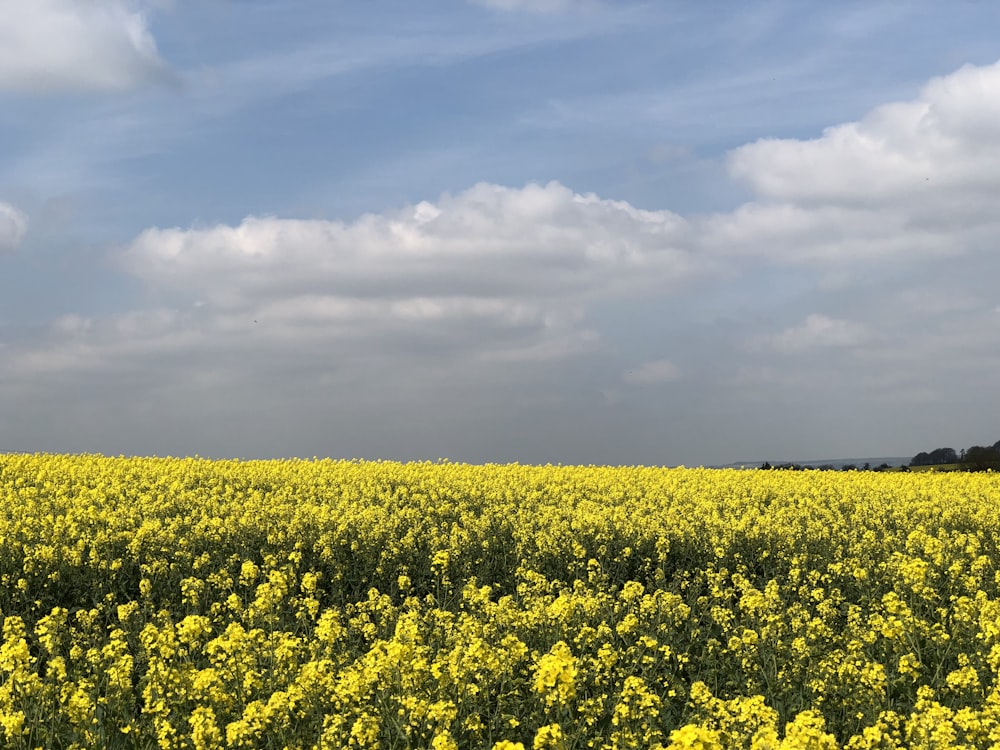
(936, 457)
(944, 456)
(982, 458)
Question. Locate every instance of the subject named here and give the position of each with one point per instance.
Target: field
(186, 603)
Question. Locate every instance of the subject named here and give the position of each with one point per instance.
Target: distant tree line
(976, 458)
(936, 457)
(824, 467)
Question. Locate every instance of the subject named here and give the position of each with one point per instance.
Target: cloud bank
(495, 270)
(75, 45)
(472, 298)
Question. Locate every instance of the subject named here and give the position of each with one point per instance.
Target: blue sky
(575, 231)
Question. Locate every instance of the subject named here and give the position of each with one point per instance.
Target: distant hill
(835, 463)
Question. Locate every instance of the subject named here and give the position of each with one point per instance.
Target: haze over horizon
(556, 231)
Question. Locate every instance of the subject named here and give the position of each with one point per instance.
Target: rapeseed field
(188, 603)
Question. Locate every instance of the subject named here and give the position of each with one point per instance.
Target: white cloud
(492, 274)
(60, 45)
(947, 139)
(13, 226)
(910, 180)
(816, 331)
(488, 251)
(651, 373)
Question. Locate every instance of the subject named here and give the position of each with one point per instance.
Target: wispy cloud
(13, 226)
(816, 332)
(652, 373)
(534, 6)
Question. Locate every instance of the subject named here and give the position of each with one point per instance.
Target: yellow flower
(248, 572)
(12, 723)
(555, 675)
(365, 731)
(692, 737)
(806, 732)
(548, 737)
(205, 732)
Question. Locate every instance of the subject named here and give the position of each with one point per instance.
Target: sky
(543, 231)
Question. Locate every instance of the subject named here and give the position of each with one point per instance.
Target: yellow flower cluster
(187, 603)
